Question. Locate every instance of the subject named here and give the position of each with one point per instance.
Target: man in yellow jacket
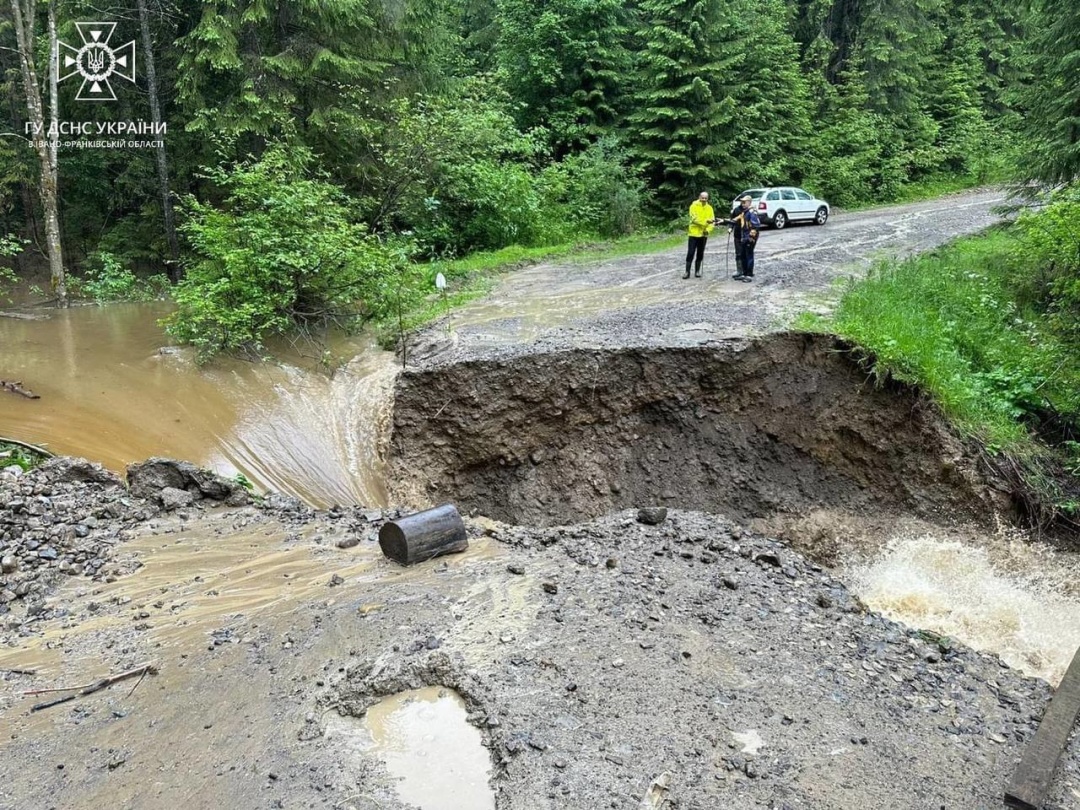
(702, 220)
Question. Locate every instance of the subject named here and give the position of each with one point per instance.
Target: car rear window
(755, 193)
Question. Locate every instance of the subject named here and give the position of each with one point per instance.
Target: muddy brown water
(109, 394)
(423, 738)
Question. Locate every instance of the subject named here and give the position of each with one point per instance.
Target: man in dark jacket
(744, 224)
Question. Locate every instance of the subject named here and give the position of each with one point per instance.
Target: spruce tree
(1052, 146)
(680, 117)
(565, 62)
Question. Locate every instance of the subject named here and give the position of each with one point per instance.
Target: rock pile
(66, 516)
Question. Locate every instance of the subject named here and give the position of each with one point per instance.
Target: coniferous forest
(315, 149)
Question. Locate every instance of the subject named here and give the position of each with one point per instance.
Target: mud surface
(594, 659)
(673, 657)
(749, 429)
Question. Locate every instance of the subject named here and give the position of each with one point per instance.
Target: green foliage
(283, 250)
(566, 62)
(1048, 246)
(458, 175)
(1052, 124)
(593, 193)
(680, 111)
(107, 279)
(9, 246)
(19, 456)
(949, 322)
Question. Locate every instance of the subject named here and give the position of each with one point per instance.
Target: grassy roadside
(473, 276)
(954, 322)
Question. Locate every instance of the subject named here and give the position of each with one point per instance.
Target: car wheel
(822, 215)
(779, 220)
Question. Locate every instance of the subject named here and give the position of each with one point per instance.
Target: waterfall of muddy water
(1019, 600)
(109, 395)
(422, 737)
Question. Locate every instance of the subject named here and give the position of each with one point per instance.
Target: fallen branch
(21, 671)
(90, 688)
(16, 387)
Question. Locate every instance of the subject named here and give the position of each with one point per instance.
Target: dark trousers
(744, 258)
(695, 252)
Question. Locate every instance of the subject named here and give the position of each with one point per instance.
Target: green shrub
(280, 251)
(1048, 251)
(107, 279)
(593, 193)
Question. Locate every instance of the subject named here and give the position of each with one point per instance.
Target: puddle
(436, 759)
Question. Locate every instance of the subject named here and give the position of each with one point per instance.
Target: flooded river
(108, 393)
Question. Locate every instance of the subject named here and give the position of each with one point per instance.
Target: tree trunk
(162, 162)
(24, 11)
(423, 535)
(51, 191)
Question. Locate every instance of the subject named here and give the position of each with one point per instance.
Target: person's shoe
(747, 278)
(686, 274)
(697, 275)
(737, 276)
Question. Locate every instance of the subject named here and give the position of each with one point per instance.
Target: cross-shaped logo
(95, 61)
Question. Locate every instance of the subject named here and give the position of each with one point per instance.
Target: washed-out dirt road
(636, 301)
(607, 658)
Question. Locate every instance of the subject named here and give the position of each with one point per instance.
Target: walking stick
(727, 255)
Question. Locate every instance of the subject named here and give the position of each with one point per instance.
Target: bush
(457, 175)
(1048, 250)
(107, 279)
(281, 251)
(9, 246)
(593, 193)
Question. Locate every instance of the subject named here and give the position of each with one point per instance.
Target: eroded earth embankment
(783, 424)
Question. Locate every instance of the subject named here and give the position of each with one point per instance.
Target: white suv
(779, 205)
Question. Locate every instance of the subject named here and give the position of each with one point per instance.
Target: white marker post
(440, 284)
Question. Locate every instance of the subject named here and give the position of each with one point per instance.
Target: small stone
(9, 564)
(652, 515)
(336, 580)
(618, 663)
(730, 583)
(550, 587)
(514, 568)
(172, 498)
(612, 562)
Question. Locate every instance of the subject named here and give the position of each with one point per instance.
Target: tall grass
(949, 321)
